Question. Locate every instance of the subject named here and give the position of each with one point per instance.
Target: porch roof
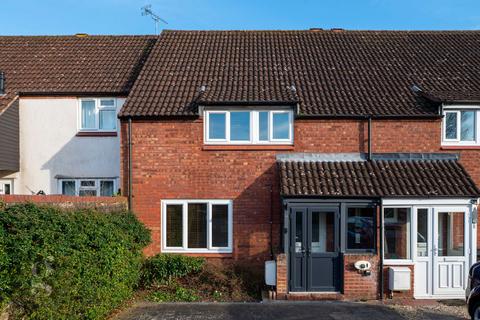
(421, 177)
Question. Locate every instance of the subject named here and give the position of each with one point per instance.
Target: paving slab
(332, 310)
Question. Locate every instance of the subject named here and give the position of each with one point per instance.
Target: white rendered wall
(50, 149)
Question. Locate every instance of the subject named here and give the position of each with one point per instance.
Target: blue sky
(34, 17)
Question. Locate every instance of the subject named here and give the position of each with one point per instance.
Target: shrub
(164, 267)
(174, 293)
(68, 264)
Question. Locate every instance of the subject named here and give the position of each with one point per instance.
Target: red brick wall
(169, 162)
(282, 276)
(105, 204)
(357, 285)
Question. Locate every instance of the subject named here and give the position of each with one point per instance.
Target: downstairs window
(87, 187)
(197, 226)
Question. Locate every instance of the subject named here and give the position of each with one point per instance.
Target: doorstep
(314, 296)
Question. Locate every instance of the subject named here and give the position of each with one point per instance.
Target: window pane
(281, 126)
(217, 125)
(87, 193)
(220, 225)
(87, 183)
(174, 225)
(422, 232)
(451, 238)
(107, 103)
(240, 126)
(7, 188)
(263, 125)
(197, 225)
(108, 120)
(361, 228)
(88, 114)
(397, 233)
(298, 231)
(467, 132)
(451, 125)
(68, 188)
(323, 231)
(106, 188)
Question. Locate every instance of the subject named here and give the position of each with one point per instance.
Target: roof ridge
(77, 37)
(315, 30)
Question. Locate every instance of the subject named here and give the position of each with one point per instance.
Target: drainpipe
(271, 222)
(369, 157)
(129, 164)
(381, 249)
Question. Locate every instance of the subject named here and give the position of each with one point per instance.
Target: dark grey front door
(315, 263)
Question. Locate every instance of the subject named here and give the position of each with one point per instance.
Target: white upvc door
(450, 251)
(444, 247)
(422, 251)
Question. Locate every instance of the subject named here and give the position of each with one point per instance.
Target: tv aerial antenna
(147, 11)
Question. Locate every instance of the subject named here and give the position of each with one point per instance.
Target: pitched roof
(71, 64)
(333, 73)
(376, 178)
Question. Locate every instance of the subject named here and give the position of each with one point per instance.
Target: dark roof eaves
(73, 93)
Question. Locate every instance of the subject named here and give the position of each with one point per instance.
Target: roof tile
(377, 178)
(334, 73)
(70, 64)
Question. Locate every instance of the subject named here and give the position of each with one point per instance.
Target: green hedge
(164, 267)
(68, 264)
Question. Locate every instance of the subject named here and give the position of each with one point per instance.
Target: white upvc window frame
(457, 109)
(78, 185)
(6, 182)
(410, 235)
(184, 248)
(254, 127)
(98, 108)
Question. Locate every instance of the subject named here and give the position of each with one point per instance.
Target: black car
(473, 291)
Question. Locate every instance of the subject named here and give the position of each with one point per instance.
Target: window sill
(360, 253)
(199, 252)
(255, 147)
(96, 134)
(387, 262)
(460, 147)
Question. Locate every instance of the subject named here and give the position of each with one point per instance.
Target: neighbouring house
(348, 157)
(59, 98)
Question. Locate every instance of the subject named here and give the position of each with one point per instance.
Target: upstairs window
(99, 114)
(460, 126)
(249, 127)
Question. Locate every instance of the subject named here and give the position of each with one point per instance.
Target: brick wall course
(169, 162)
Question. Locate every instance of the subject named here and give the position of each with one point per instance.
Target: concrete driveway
(275, 310)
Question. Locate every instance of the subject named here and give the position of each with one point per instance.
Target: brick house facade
(165, 155)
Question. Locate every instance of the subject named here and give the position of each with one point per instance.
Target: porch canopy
(385, 175)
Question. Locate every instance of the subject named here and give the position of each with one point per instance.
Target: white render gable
(50, 149)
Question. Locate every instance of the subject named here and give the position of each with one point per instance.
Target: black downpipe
(271, 222)
(369, 158)
(130, 164)
(381, 252)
